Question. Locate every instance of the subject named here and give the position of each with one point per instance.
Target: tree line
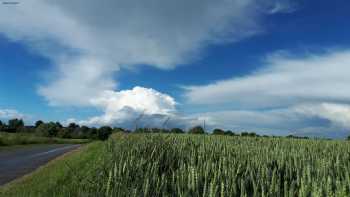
(195, 130)
(56, 129)
(75, 131)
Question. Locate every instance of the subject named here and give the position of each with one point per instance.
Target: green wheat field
(195, 165)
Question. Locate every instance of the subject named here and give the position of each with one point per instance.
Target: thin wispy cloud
(7, 114)
(311, 86)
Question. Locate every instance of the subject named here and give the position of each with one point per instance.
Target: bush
(104, 132)
(197, 130)
(118, 129)
(218, 132)
(142, 130)
(64, 133)
(298, 137)
(26, 129)
(93, 133)
(176, 130)
(47, 129)
(229, 133)
(251, 134)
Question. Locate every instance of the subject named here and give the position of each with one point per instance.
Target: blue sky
(276, 67)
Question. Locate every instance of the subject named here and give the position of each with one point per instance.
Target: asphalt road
(18, 161)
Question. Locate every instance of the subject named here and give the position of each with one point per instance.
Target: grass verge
(60, 177)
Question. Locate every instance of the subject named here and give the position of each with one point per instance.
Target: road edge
(37, 170)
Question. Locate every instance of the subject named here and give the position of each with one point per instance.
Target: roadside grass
(10, 139)
(67, 175)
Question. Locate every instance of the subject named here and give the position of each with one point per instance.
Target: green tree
(2, 126)
(252, 134)
(74, 130)
(47, 129)
(84, 132)
(176, 130)
(58, 124)
(64, 133)
(15, 125)
(197, 130)
(38, 123)
(230, 133)
(93, 133)
(117, 129)
(104, 132)
(164, 131)
(218, 132)
(142, 130)
(73, 126)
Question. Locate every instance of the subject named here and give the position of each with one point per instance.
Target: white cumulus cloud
(128, 105)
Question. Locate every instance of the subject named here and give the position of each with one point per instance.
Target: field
(195, 165)
(8, 139)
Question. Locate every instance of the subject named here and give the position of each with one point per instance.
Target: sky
(274, 67)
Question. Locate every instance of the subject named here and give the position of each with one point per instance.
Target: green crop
(189, 165)
(205, 165)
